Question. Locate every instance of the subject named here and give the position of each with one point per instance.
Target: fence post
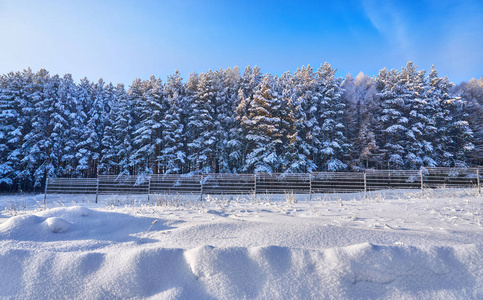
(149, 188)
(97, 189)
(478, 180)
(422, 183)
(201, 187)
(310, 186)
(45, 191)
(255, 183)
(365, 184)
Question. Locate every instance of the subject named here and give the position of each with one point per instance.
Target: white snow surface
(390, 245)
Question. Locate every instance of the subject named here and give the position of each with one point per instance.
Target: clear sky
(121, 40)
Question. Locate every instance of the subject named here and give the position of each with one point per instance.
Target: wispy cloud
(447, 34)
(391, 24)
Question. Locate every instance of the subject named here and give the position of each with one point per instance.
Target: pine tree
(88, 137)
(71, 132)
(472, 94)
(124, 125)
(291, 160)
(233, 143)
(306, 111)
(201, 124)
(262, 124)
(227, 84)
(360, 107)
(333, 143)
(109, 161)
(151, 107)
(240, 146)
(8, 116)
(40, 157)
(15, 115)
(418, 147)
(60, 136)
(393, 118)
(174, 123)
(459, 129)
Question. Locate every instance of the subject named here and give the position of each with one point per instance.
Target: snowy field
(390, 245)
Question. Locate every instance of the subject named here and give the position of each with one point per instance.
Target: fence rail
(261, 183)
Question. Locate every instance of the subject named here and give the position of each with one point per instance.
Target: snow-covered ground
(391, 245)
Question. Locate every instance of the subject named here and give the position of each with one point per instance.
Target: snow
(394, 244)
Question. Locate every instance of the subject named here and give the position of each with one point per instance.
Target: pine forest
(232, 121)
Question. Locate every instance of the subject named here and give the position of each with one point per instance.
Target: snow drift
(82, 253)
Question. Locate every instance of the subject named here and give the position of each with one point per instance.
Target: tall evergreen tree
(359, 115)
(240, 145)
(16, 111)
(151, 107)
(262, 125)
(306, 114)
(291, 160)
(471, 93)
(174, 123)
(40, 157)
(124, 126)
(109, 161)
(201, 124)
(333, 143)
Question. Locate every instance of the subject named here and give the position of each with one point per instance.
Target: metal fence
(261, 183)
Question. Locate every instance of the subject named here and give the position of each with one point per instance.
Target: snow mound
(357, 271)
(57, 225)
(360, 271)
(77, 223)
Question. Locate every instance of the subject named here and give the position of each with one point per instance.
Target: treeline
(232, 121)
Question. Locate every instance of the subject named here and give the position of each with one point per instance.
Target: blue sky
(122, 40)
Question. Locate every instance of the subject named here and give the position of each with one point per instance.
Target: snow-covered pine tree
(262, 127)
(88, 137)
(333, 143)
(233, 143)
(360, 106)
(221, 119)
(38, 145)
(227, 83)
(96, 122)
(472, 93)
(8, 116)
(458, 129)
(418, 147)
(392, 119)
(201, 123)
(406, 118)
(437, 131)
(124, 124)
(108, 162)
(250, 80)
(142, 155)
(151, 107)
(291, 161)
(69, 120)
(240, 146)
(173, 157)
(306, 110)
(16, 109)
(61, 152)
(24, 86)
(352, 109)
